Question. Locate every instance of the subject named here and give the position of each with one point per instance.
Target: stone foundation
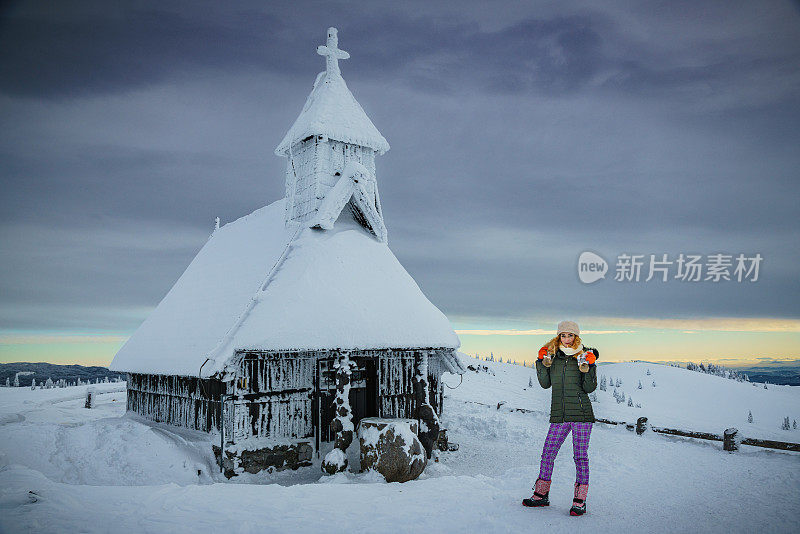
(276, 458)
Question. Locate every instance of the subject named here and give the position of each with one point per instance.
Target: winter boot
(541, 492)
(579, 501)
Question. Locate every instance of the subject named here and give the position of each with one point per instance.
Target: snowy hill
(681, 399)
(65, 469)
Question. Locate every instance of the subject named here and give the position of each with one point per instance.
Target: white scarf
(571, 351)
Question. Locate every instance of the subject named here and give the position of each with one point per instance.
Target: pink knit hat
(570, 327)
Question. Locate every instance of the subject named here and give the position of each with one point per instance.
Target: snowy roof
(248, 288)
(332, 111)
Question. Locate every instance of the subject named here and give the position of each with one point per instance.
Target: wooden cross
(331, 52)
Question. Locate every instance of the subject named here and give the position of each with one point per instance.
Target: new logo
(591, 267)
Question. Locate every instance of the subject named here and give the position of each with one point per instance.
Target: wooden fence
(730, 437)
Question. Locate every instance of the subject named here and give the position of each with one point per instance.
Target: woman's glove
(585, 360)
(547, 360)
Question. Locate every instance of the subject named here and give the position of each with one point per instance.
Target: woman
(569, 367)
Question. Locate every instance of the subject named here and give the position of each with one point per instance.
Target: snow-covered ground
(67, 469)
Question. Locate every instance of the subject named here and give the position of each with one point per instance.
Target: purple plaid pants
(580, 449)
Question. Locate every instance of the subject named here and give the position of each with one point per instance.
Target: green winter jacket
(570, 401)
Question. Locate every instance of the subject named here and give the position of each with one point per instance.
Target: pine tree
(765, 385)
(640, 385)
(630, 402)
(794, 424)
(619, 382)
(16, 380)
(785, 425)
(8, 382)
(603, 383)
(530, 381)
(750, 416)
(648, 371)
(654, 383)
(33, 384)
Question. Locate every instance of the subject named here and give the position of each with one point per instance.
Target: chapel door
(363, 394)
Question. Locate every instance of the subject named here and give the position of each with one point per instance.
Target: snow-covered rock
(391, 447)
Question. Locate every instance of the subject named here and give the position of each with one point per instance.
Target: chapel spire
(331, 151)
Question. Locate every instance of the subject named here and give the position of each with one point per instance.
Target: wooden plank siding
(188, 402)
(273, 394)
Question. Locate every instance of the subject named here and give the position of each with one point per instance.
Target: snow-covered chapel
(284, 304)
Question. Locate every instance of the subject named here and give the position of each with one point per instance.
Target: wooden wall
(273, 394)
(182, 401)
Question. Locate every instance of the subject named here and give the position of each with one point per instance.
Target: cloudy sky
(522, 134)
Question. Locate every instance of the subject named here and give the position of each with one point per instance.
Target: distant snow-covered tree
(530, 381)
(765, 385)
(648, 371)
(8, 382)
(16, 380)
(750, 416)
(602, 382)
(593, 396)
(49, 383)
(654, 383)
(785, 425)
(33, 384)
(638, 405)
(630, 401)
(640, 385)
(619, 382)
(794, 424)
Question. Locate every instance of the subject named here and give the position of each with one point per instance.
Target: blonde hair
(554, 344)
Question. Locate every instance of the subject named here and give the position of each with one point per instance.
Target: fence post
(641, 425)
(729, 441)
(89, 398)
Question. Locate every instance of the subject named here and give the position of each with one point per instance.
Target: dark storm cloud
(52, 54)
(48, 54)
(520, 136)
(78, 50)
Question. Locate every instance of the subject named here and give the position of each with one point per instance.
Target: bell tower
(330, 151)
